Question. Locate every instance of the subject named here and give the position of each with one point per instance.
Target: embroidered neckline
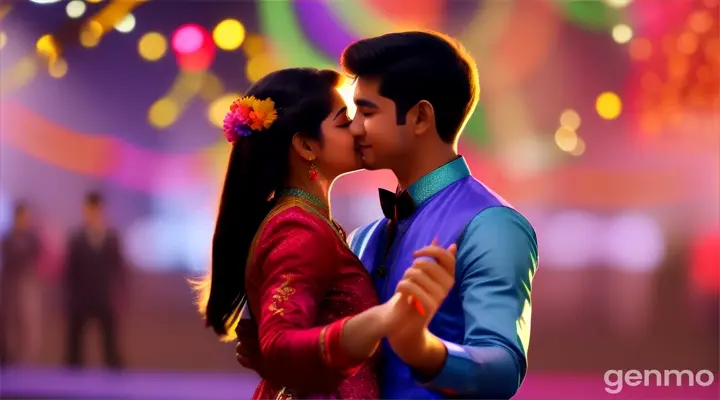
(311, 203)
(301, 194)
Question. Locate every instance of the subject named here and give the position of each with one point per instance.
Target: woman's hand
(418, 297)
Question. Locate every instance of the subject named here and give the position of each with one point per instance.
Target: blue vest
(447, 200)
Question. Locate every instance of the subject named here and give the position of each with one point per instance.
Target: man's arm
(496, 262)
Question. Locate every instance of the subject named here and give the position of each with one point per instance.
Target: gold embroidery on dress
(281, 295)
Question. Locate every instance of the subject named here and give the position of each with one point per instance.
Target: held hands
(419, 295)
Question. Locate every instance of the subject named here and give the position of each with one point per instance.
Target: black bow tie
(396, 207)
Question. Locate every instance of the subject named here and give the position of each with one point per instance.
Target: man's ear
(302, 147)
(423, 117)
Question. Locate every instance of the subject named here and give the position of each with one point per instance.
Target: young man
(414, 93)
(94, 282)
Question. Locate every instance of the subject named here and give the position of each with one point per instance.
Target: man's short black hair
(415, 66)
(94, 199)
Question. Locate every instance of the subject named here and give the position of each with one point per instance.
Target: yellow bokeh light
(90, 34)
(259, 66)
(58, 68)
(579, 148)
(622, 33)
(211, 87)
(608, 105)
(570, 119)
(3, 39)
(152, 46)
(566, 139)
(93, 1)
(163, 113)
(47, 47)
(75, 8)
(254, 45)
(127, 24)
(229, 34)
(618, 3)
(219, 107)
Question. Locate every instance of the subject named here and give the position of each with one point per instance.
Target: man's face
(381, 141)
(93, 215)
(22, 219)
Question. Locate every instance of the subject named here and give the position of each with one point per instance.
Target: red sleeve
(297, 257)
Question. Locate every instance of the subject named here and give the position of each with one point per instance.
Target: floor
(97, 383)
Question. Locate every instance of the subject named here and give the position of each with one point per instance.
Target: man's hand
(247, 350)
(422, 291)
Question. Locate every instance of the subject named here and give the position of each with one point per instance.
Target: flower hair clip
(248, 115)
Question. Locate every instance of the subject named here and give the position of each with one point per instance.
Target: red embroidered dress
(303, 283)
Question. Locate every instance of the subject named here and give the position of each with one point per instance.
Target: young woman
(276, 244)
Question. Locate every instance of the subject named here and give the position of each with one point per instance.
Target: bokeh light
(58, 68)
(163, 113)
(687, 43)
(126, 24)
(608, 105)
(75, 8)
(570, 119)
(254, 45)
(640, 49)
(187, 39)
(152, 46)
(259, 66)
(579, 148)
(618, 3)
(3, 39)
(229, 34)
(566, 139)
(219, 107)
(47, 47)
(211, 88)
(91, 33)
(633, 242)
(700, 21)
(194, 47)
(622, 33)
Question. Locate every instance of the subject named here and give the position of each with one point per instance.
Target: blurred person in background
(317, 314)
(414, 93)
(20, 294)
(95, 278)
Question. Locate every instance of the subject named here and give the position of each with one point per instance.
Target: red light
(705, 264)
(194, 47)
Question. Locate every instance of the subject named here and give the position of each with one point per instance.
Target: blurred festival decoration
(512, 41)
(675, 79)
(672, 45)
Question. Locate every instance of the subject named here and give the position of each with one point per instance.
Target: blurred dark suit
(94, 282)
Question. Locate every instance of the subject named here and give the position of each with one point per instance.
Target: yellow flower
(263, 112)
(248, 101)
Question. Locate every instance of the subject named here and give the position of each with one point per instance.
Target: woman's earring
(313, 171)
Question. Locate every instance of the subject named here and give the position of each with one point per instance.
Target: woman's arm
(298, 260)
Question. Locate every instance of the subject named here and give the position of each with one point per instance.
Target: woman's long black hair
(258, 166)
